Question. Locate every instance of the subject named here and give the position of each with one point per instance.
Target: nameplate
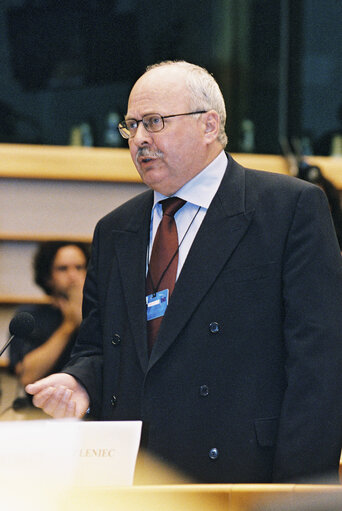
(70, 452)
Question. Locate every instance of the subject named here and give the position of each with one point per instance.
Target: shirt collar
(200, 190)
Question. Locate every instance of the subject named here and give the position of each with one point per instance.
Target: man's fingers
(56, 405)
(34, 388)
(59, 395)
(41, 397)
(70, 409)
(55, 401)
(54, 380)
(39, 385)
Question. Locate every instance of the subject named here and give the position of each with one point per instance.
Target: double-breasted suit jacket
(244, 382)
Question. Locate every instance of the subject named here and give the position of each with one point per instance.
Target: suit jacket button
(116, 339)
(204, 390)
(213, 453)
(113, 400)
(214, 327)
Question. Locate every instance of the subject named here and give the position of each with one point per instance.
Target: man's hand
(59, 395)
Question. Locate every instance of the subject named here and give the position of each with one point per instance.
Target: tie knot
(172, 205)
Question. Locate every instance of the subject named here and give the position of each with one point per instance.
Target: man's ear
(212, 125)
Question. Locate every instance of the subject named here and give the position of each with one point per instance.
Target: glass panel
(67, 70)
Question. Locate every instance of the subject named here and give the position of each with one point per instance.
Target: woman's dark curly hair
(44, 258)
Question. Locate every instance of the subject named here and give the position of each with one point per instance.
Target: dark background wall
(279, 63)
(316, 78)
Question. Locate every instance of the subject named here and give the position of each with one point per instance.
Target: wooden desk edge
(100, 164)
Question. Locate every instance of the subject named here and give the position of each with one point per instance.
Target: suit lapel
(222, 229)
(130, 245)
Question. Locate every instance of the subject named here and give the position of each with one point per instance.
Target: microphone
(21, 325)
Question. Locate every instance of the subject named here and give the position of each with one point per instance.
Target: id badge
(156, 304)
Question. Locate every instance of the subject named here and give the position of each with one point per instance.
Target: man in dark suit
(244, 380)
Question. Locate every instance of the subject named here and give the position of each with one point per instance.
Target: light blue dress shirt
(198, 194)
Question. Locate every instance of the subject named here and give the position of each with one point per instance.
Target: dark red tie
(162, 270)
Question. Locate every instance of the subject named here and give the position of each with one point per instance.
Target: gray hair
(205, 94)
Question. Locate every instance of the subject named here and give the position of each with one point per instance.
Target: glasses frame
(123, 126)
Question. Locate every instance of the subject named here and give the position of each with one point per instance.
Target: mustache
(146, 152)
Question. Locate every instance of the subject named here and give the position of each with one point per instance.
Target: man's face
(68, 270)
(168, 159)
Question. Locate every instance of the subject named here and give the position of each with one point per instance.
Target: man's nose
(142, 136)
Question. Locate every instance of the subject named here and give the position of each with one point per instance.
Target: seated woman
(60, 270)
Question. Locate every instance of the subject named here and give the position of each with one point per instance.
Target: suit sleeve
(310, 428)
(87, 357)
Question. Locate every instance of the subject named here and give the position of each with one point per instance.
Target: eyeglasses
(151, 122)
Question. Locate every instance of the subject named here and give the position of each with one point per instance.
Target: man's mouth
(145, 156)
(145, 160)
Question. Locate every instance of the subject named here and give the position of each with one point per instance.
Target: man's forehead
(162, 76)
(157, 90)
